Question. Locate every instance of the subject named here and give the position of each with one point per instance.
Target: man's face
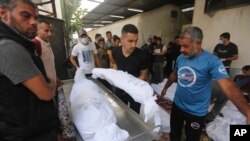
(129, 41)
(189, 48)
(117, 42)
(23, 18)
(222, 39)
(44, 31)
(101, 44)
(109, 36)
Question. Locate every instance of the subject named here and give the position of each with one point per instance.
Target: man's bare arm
(40, 87)
(171, 80)
(231, 90)
(73, 61)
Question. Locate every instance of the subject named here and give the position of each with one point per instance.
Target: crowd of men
(29, 81)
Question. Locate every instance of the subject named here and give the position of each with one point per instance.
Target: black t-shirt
(227, 51)
(132, 64)
(175, 51)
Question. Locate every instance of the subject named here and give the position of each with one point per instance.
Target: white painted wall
(236, 21)
(156, 22)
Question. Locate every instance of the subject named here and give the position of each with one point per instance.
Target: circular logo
(222, 69)
(186, 76)
(195, 125)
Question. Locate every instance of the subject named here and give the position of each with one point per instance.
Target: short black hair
(108, 32)
(101, 40)
(246, 68)
(97, 35)
(155, 37)
(115, 37)
(130, 28)
(43, 21)
(176, 37)
(159, 39)
(10, 4)
(225, 35)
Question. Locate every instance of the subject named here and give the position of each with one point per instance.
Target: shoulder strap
(38, 47)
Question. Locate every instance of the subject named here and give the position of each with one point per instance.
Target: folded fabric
(138, 89)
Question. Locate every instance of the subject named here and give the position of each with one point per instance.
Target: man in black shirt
(226, 50)
(131, 59)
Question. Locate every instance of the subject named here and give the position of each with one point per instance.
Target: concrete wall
(156, 22)
(236, 21)
(48, 7)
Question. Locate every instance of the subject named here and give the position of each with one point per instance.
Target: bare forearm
(234, 94)
(171, 80)
(97, 61)
(73, 61)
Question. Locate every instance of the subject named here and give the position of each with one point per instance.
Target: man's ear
(3, 12)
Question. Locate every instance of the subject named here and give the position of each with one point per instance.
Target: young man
(44, 33)
(86, 54)
(131, 59)
(97, 37)
(102, 53)
(195, 69)
(226, 50)
(108, 42)
(27, 111)
(158, 62)
(116, 43)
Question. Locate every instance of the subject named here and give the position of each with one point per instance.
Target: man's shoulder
(232, 45)
(8, 44)
(117, 49)
(209, 55)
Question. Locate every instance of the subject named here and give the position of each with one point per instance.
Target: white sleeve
(74, 51)
(94, 48)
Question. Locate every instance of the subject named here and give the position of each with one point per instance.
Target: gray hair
(193, 33)
(10, 4)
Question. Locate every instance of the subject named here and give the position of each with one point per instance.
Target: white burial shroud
(92, 114)
(138, 89)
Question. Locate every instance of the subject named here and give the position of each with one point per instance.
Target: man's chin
(30, 36)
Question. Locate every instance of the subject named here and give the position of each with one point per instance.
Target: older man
(195, 69)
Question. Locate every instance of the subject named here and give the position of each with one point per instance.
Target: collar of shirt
(43, 43)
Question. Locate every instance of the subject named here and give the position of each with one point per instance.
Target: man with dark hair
(195, 70)
(97, 37)
(175, 49)
(44, 34)
(158, 62)
(226, 50)
(27, 111)
(131, 59)
(116, 43)
(108, 42)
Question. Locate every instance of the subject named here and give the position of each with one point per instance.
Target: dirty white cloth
(218, 129)
(138, 89)
(92, 114)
